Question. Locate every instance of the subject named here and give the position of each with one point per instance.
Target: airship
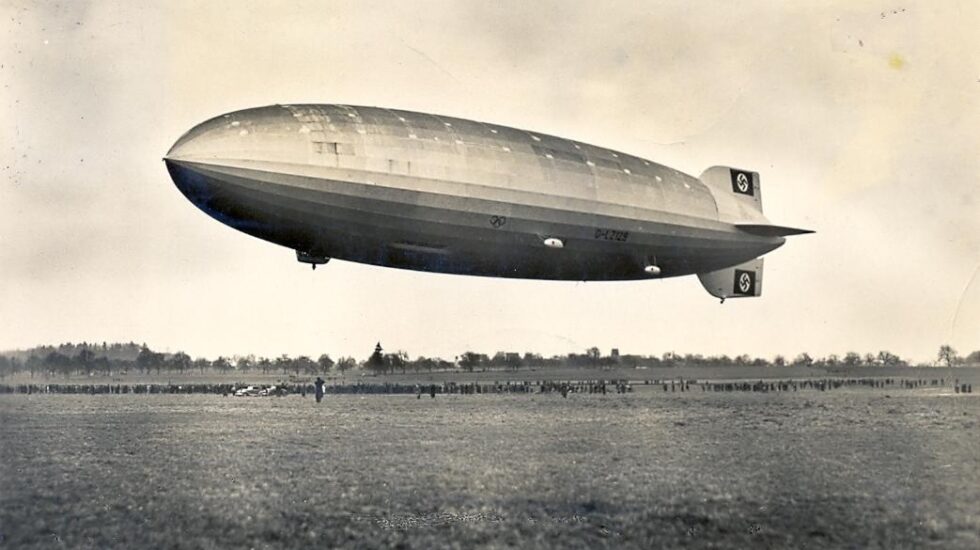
(435, 193)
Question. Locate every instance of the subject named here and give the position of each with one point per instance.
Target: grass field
(850, 468)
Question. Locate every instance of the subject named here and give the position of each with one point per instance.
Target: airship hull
(463, 198)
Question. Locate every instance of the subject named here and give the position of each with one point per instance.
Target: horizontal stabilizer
(766, 230)
(740, 281)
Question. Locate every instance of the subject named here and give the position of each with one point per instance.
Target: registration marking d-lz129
(612, 235)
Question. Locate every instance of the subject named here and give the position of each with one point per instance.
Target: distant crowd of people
(564, 387)
(542, 386)
(823, 384)
(97, 389)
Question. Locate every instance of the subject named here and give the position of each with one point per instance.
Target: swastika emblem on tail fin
(744, 282)
(742, 182)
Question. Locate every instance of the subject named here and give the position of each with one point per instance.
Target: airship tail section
(740, 281)
(737, 194)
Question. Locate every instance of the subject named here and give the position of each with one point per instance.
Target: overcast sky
(863, 119)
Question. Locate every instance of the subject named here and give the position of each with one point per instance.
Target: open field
(853, 468)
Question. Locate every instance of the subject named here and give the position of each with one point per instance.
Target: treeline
(471, 361)
(113, 352)
(87, 359)
(108, 360)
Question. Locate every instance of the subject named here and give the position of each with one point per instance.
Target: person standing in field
(319, 389)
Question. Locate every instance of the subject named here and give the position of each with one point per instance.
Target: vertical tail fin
(737, 193)
(740, 281)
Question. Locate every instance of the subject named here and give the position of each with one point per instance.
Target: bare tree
(245, 364)
(84, 358)
(222, 364)
(889, 359)
(594, 354)
(803, 360)
(948, 355)
(471, 360)
(325, 363)
(397, 360)
(305, 364)
(180, 361)
(265, 364)
(283, 362)
(202, 364)
(344, 364)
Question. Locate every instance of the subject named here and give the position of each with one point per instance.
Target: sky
(863, 119)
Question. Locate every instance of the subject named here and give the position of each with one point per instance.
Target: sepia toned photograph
(489, 274)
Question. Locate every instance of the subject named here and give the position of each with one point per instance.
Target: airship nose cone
(214, 164)
(226, 140)
(252, 134)
(192, 159)
(216, 138)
